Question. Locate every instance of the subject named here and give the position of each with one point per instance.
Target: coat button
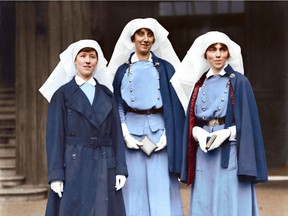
(74, 156)
(232, 75)
(69, 112)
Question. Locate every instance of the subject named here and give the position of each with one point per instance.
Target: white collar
(210, 72)
(135, 58)
(81, 81)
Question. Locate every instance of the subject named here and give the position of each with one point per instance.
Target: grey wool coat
(85, 149)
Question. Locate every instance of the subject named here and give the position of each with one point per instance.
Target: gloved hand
(131, 142)
(120, 181)
(233, 133)
(57, 187)
(222, 135)
(200, 135)
(162, 143)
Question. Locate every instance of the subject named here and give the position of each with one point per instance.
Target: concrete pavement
(272, 201)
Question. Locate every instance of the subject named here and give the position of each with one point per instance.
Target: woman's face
(86, 62)
(217, 55)
(143, 39)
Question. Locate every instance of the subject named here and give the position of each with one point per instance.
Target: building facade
(33, 34)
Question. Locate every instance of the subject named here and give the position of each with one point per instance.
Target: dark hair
(136, 32)
(224, 47)
(88, 49)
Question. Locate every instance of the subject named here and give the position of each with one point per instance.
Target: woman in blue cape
(223, 150)
(143, 63)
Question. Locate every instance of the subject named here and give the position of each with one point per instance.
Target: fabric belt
(214, 122)
(144, 112)
(92, 142)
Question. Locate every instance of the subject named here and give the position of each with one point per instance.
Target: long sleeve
(55, 146)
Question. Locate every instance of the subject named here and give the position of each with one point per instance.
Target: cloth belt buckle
(94, 142)
(214, 122)
(149, 112)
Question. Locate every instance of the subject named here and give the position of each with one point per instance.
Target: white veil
(194, 64)
(66, 70)
(162, 47)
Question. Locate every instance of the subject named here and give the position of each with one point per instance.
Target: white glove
(120, 181)
(129, 140)
(222, 135)
(57, 187)
(233, 133)
(162, 143)
(200, 135)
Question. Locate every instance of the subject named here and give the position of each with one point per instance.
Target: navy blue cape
(250, 146)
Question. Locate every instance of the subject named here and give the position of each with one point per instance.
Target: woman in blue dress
(149, 106)
(224, 153)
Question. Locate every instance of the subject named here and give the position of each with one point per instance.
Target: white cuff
(232, 133)
(125, 130)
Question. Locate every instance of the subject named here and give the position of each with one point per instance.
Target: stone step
(23, 193)
(7, 150)
(7, 161)
(5, 103)
(8, 95)
(12, 142)
(11, 181)
(7, 158)
(7, 130)
(7, 170)
(4, 96)
(7, 90)
(7, 110)
(7, 117)
(7, 123)
(4, 138)
(7, 127)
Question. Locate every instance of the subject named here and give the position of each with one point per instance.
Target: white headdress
(194, 64)
(162, 47)
(66, 70)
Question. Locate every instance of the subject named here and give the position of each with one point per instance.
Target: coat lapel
(95, 114)
(102, 105)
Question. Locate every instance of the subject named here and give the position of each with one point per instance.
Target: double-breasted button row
(206, 103)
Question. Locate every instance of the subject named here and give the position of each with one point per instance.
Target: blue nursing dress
(149, 190)
(217, 191)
